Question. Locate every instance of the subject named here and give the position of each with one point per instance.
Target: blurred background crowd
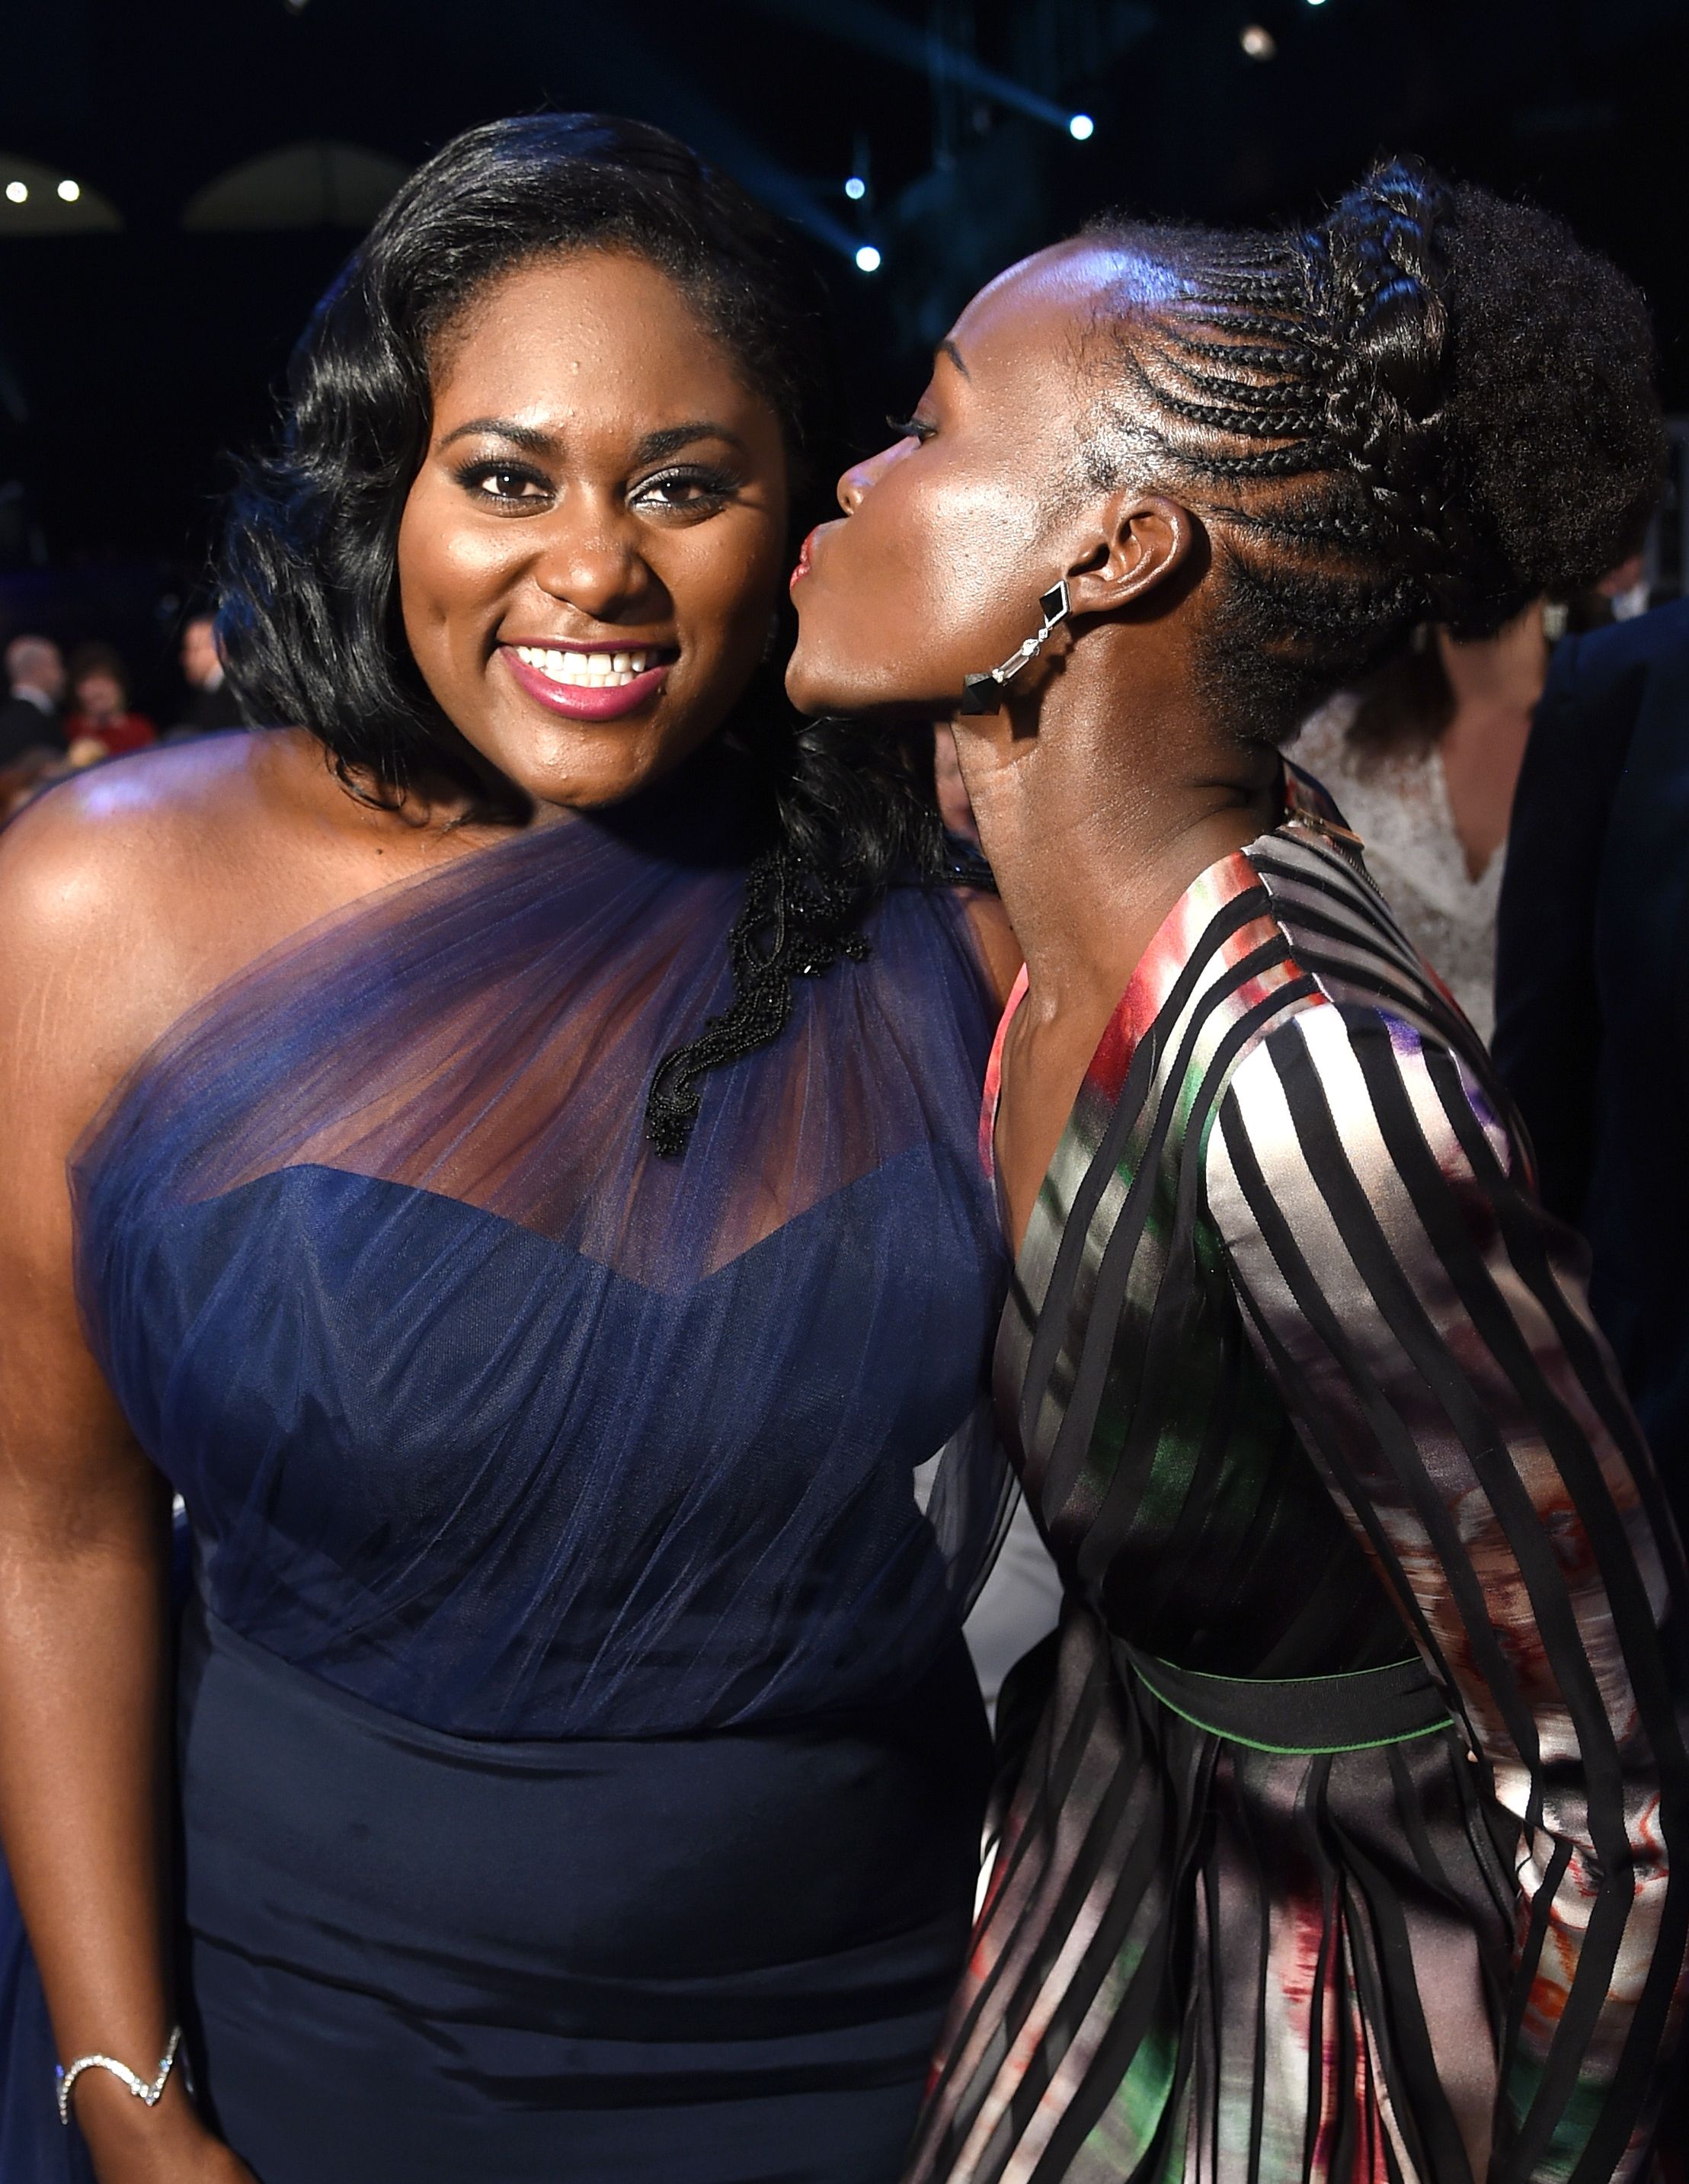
(63, 712)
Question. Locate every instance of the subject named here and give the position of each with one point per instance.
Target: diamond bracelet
(152, 2094)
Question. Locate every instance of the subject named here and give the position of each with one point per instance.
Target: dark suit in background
(207, 711)
(1592, 992)
(24, 727)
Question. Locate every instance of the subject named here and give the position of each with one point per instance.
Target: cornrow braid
(1379, 416)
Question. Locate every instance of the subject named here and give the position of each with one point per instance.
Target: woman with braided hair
(1341, 1827)
(520, 1129)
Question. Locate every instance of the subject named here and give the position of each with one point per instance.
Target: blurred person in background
(1423, 758)
(101, 724)
(29, 719)
(1591, 1031)
(1592, 1006)
(211, 705)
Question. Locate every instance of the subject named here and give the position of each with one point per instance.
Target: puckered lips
(589, 679)
(805, 555)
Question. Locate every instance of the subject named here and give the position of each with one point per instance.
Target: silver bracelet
(152, 2094)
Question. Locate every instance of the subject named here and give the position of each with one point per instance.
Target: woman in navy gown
(518, 1125)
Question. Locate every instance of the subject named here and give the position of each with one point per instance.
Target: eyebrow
(673, 437)
(503, 428)
(949, 348)
(668, 440)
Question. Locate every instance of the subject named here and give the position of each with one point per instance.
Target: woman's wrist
(128, 2141)
(147, 2091)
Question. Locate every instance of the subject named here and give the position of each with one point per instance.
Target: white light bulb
(1081, 127)
(856, 189)
(16, 193)
(69, 191)
(867, 258)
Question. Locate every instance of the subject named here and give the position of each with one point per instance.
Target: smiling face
(591, 549)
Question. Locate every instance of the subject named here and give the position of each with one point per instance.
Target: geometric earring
(983, 693)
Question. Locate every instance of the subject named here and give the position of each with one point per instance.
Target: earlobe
(1146, 537)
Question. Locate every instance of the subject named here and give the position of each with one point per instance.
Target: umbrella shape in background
(319, 183)
(40, 200)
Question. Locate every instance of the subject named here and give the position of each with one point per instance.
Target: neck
(1097, 819)
(1504, 670)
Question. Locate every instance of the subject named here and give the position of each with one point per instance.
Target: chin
(815, 688)
(575, 771)
(806, 691)
(817, 693)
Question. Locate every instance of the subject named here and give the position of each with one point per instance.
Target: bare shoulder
(115, 826)
(157, 839)
(118, 887)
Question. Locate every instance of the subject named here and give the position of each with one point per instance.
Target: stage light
(856, 189)
(1316, 4)
(879, 28)
(16, 193)
(1258, 41)
(867, 258)
(69, 191)
(1081, 126)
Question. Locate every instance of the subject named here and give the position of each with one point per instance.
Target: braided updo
(1434, 406)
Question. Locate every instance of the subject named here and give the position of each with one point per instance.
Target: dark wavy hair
(1434, 406)
(308, 614)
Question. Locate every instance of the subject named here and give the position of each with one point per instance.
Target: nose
(592, 560)
(853, 486)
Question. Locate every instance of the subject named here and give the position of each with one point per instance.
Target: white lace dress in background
(1397, 803)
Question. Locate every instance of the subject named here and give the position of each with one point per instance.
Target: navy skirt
(416, 1959)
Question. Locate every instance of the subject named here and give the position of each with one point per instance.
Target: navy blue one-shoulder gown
(580, 1774)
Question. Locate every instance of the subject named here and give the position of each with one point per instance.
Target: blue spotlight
(1082, 126)
(867, 258)
(856, 189)
(880, 29)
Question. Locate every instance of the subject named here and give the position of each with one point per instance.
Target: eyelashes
(707, 488)
(695, 489)
(476, 478)
(912, 428)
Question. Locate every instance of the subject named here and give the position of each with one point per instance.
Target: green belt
(1353, 1713)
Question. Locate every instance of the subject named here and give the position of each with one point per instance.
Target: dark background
(130, 361)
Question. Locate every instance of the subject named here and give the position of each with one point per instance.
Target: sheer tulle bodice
(485, 1414)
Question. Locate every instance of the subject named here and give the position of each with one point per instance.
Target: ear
(1143, 538)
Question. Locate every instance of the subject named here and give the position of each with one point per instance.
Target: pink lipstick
(603, 680)
(802, 568)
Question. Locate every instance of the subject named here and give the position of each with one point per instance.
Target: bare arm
(84, 1521)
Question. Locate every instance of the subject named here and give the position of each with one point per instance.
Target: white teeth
(586, 671)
